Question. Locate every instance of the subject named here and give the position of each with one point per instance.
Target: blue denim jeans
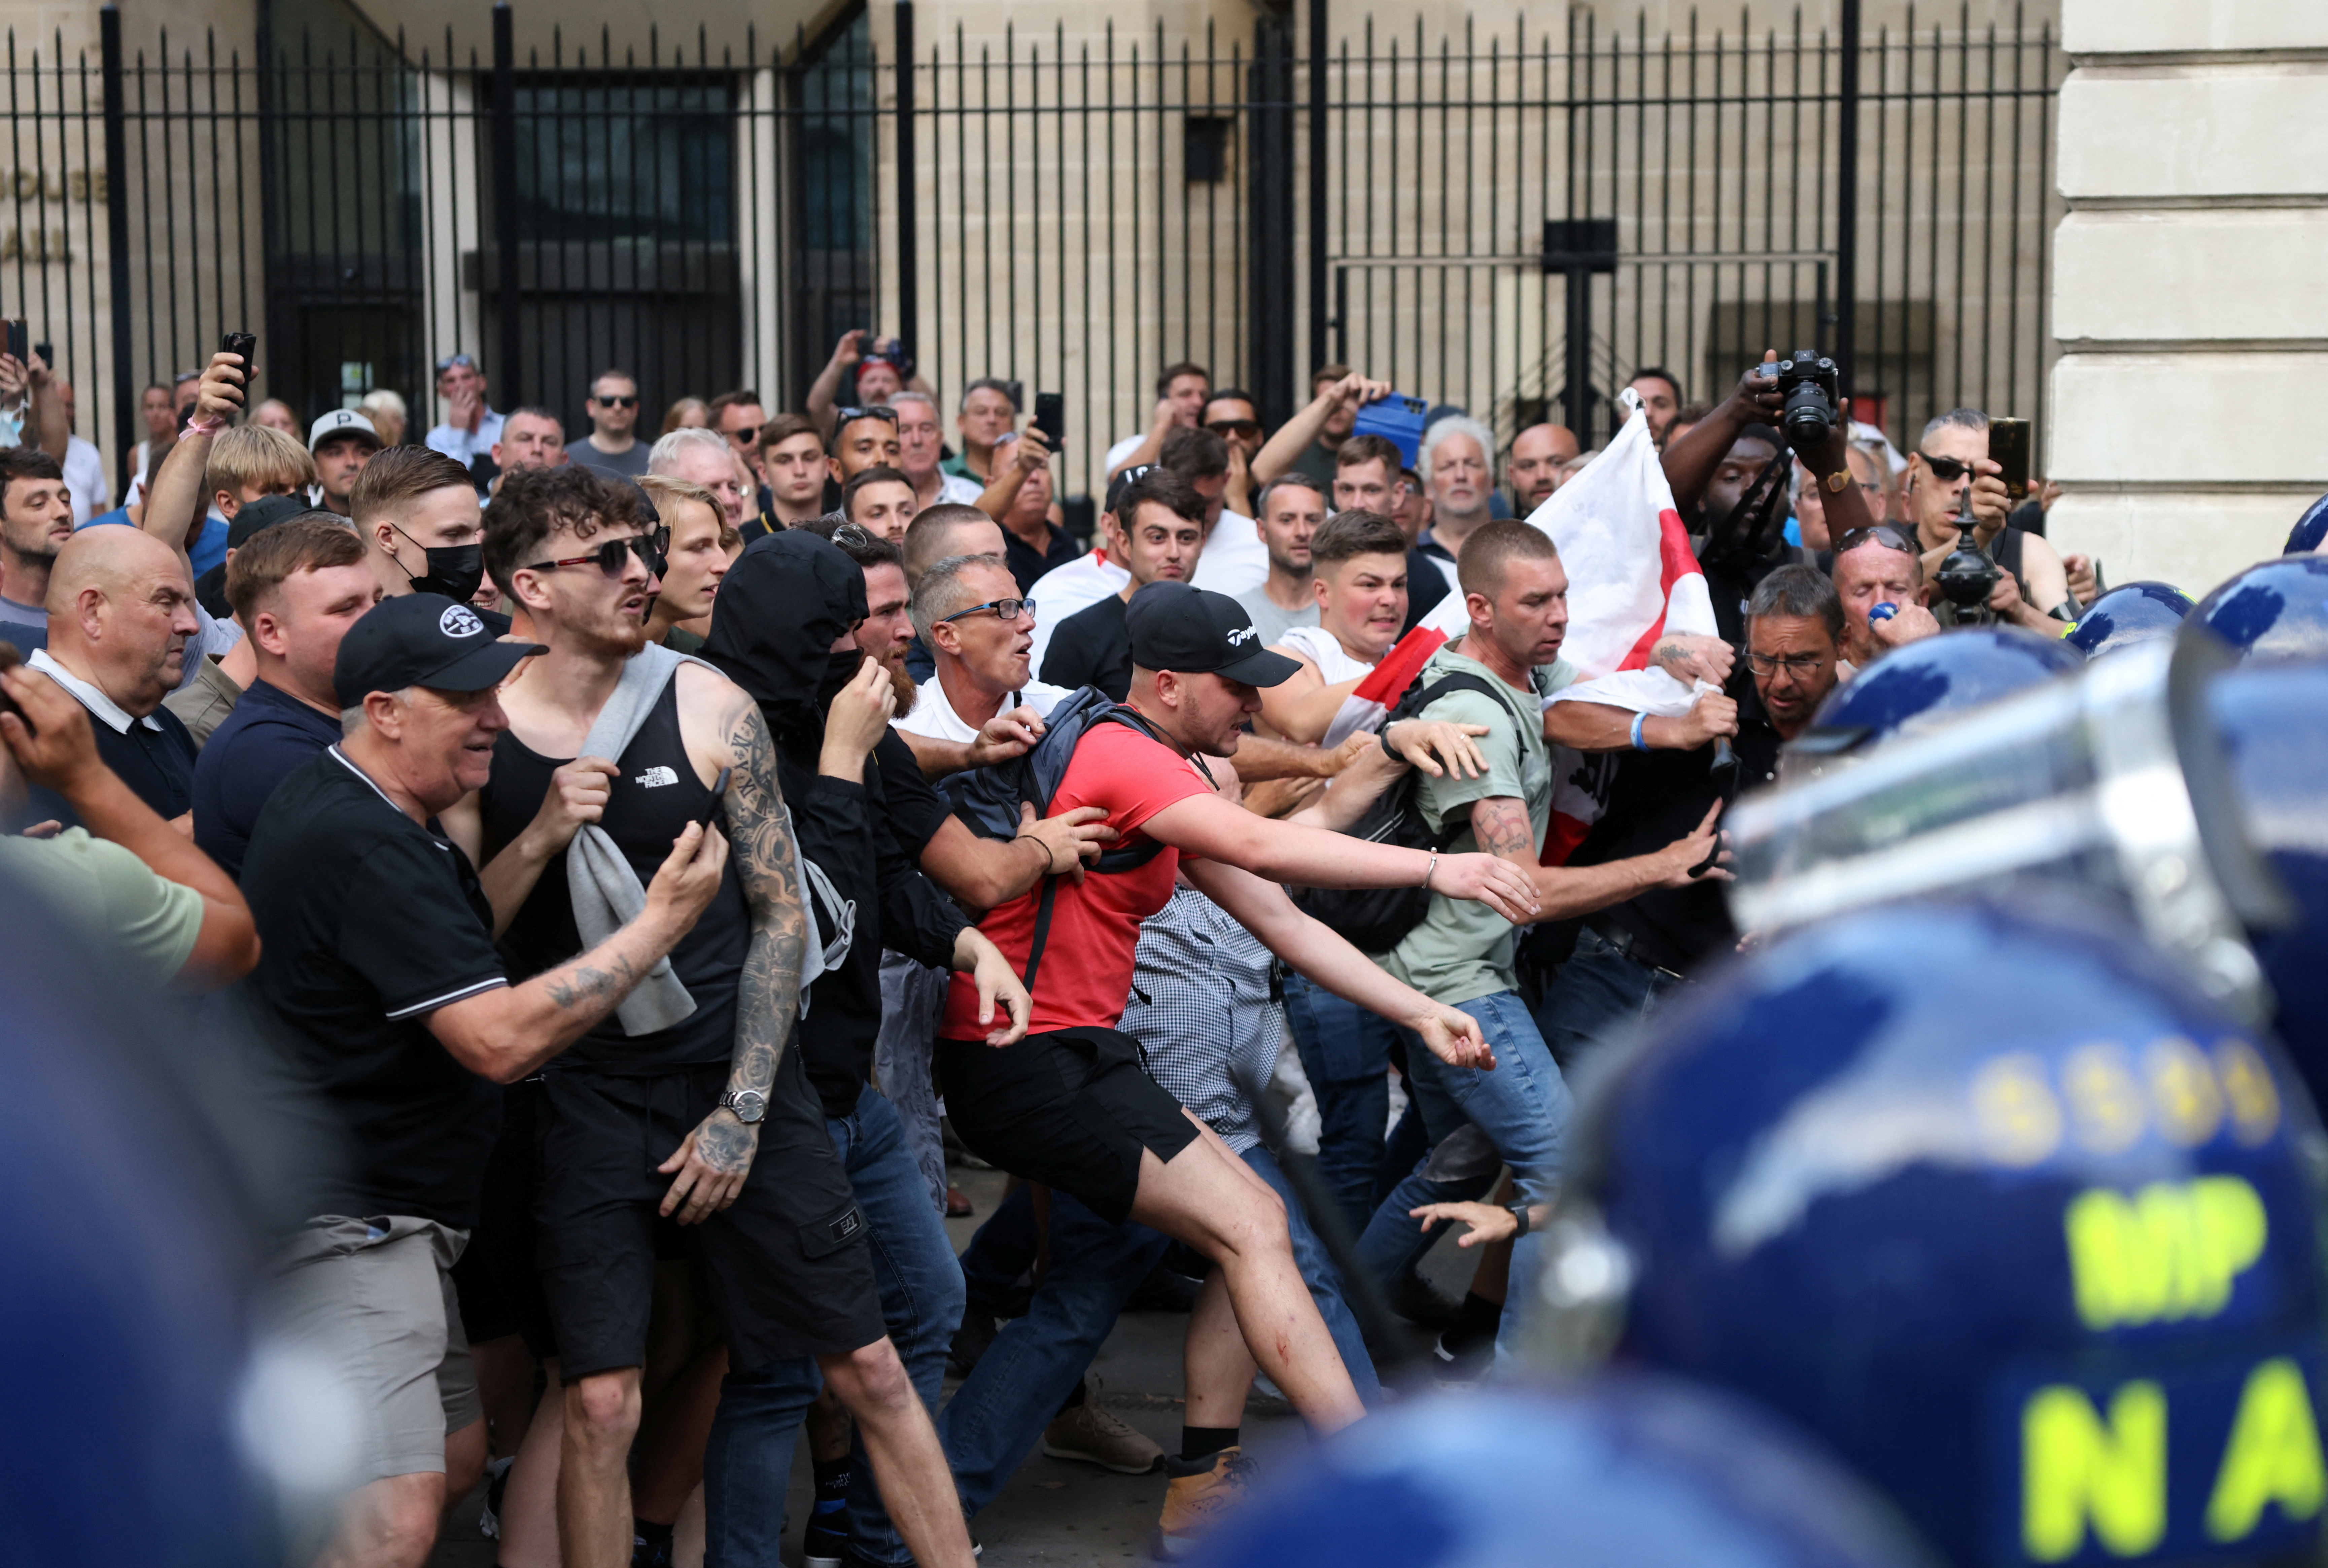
(1522, 1107)
(1597, 1000)
(1324, 1279)
(748, 1462)
(999, 1411)
(1345, 1051)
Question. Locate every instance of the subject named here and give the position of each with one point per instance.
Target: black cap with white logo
(1192, 630)
(422, 640)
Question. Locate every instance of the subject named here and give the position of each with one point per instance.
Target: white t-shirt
(953, 490)
(1320, 647)
(1065, 589)
(84, 468)
(933, 716)
(1234, 559)
(1121, 450)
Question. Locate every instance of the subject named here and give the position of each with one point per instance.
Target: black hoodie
(783, 603)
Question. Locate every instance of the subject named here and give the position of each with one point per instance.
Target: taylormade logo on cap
(1242, 634)
(460, 621)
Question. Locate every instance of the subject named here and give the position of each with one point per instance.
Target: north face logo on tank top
(656, 777)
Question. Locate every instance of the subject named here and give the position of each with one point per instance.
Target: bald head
(121, 605)
(109, 559)
(942, 531)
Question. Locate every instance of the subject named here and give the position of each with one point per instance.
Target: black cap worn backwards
(265, 513)
(1192, 630)
(422, 640)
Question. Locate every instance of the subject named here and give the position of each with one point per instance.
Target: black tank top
(650, 802)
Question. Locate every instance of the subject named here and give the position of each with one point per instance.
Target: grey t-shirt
(622, 465)
(1269, 619)
(1462, 949)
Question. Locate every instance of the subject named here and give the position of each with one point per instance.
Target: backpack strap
(1416, 699)
(1111, 862)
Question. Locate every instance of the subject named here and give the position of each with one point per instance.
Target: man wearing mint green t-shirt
(1460, 954)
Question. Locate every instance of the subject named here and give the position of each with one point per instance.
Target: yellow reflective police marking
(2019, 1119)
(2170, 1251)
(2273, 1455)
(2077, 1470)
(2107, 1108)
(2183, 1091)
(2247, 1087)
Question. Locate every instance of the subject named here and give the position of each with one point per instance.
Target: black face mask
(841, 668)
(455, 570)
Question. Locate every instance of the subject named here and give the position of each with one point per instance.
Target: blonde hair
(665, 492)
(256, 457)
(688, 413)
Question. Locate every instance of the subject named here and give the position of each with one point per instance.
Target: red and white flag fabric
(1632, 579)
(1366, 706)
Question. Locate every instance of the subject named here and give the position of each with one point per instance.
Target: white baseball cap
(340, 421)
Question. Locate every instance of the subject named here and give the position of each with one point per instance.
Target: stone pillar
(2189, 410)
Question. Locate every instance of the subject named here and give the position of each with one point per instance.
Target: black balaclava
(786, 600)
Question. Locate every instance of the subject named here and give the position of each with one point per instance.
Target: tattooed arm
(507, 1034)
(709, 1166)
(1500, 825)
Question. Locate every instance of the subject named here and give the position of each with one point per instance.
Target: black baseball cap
(264, 513)
(422, 640)
(1124, 480)
(1193, 631)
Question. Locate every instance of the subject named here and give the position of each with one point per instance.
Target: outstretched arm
(1500, 823)
(710, 1163)
(1321, 955)
(173, 497)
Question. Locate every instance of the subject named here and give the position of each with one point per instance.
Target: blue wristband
(1638, 744)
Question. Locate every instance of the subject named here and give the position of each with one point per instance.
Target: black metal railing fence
(1512, 220)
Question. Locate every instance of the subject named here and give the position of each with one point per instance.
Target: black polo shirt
(1426, 584)
(1657, 796)
(269, 736)
(1027, 563)
(1092, 647)
(153, 756)
(369, 922)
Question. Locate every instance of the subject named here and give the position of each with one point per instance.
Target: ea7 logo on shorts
(654, 778)
(460, 621)
(1244, 634)
(847, 1226)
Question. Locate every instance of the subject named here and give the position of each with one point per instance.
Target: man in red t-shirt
(1069, 1105)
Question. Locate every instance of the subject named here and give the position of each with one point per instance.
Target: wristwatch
(1519, 1211)
(749, 1104)
(1836, 481)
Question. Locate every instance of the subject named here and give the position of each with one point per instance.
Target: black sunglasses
(1889, 535)
(1947, 470)
(842, 417)
(1235, 427)
(630, 402)
(652, 547)
(1004, 610)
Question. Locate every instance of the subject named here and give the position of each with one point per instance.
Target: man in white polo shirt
(972, 618)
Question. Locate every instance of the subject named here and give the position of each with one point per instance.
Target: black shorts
(786, 1265)
(1069, 1108)
(498, 1285)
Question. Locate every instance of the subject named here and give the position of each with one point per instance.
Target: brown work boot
(1201, 1491)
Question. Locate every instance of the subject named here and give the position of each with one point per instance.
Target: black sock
(1202, 1442)
(1477, 1319)
(1075, 1401)
(649, 1533)
(832, 1479)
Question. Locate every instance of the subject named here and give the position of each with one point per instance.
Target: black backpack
(1375, 919)
(987, 799)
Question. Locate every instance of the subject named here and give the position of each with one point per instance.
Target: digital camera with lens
(1812, 390)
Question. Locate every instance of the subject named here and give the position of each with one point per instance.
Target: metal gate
(1514, 221)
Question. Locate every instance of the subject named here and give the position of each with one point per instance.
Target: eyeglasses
(1947, 470)
(744, 435)
(1889, 535)
(1004, 610)
(852, 536)
(612, 555)
(1235, 427)
(630, 402)
(449, 361)
(1794, 664)
(842, 417)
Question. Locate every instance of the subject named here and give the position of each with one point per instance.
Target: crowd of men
(628, 851)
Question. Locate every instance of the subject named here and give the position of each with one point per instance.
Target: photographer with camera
(1728, 474)
(2015, 576)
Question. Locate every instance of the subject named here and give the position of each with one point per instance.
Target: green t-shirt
(1462, 949)
(112, 895)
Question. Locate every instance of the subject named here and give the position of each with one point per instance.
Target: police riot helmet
(1628, 1472)
(2276, 609)
(2309, 530)
(1915, 688)
(2002, 1208)
(2126, 616)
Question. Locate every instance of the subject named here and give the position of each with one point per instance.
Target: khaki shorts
(374, 1299)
